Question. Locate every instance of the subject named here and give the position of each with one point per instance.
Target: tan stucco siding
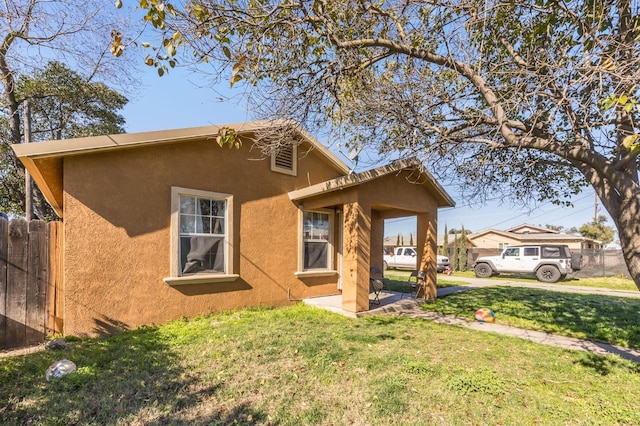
(492, 241)
(117, 209)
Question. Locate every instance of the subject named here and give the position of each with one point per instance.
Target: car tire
(385, 265)
(548, 274)
(483, 270)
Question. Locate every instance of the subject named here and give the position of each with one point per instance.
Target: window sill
(316, 273)
(201, 279)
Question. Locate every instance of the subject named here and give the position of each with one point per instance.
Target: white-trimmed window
(317, 241)
(503, 246)
(200, 236)
(285, 160)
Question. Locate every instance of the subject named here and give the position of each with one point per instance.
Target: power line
(495, 225)
(542, 214)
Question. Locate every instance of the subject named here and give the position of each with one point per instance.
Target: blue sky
(176, 101)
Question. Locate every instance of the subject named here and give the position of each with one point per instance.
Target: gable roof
(353, 179)
(525, 228)
(533, 237)
(43, 160)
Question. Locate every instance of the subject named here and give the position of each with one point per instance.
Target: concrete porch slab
(389, 302)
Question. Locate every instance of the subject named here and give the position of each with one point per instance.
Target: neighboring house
(529, 234)
(163, 225)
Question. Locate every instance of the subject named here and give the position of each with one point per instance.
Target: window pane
(201, 254)
(217, 226)
(187, 224)
(218, 208)
(512, 252)
(205, 207)
(316, 255)
(316, 236)
(316, 226)
(202, 235)
(187, 204)
(204, 224)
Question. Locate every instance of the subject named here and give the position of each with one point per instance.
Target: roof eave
(29, 153)
(354, 179)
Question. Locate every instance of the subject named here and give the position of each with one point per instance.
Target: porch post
(377, 240)
(428, 244)
(355, 266)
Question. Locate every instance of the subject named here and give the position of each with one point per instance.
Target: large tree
(528, 98)
(65, 104)
(62, 105)
(32, 34)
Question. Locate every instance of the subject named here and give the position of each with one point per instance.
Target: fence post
(4, 246)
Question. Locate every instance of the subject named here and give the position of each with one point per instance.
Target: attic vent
(284, 161)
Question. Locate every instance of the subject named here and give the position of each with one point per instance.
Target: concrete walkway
(397, 304)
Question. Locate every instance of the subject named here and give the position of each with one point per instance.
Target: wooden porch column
(377, 240)
(355, 266)
(427, 236)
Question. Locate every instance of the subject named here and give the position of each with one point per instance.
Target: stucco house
(167, 224)
(529, 234)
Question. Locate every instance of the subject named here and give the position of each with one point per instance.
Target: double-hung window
(317, 248)
(201, 232)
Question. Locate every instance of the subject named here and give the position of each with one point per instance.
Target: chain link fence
(602, 263)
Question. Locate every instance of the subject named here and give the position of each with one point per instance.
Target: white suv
(550, 263)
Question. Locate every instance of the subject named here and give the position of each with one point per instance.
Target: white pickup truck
(406, 258)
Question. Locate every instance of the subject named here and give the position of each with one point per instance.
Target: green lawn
(304, 366)
(613, 320)
(613, 283)
(458, 278)
(397, 279)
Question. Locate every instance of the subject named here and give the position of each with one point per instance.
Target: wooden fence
(30, 281)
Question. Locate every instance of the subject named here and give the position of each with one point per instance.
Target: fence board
(31, 298)
(55, 301)
(36, 294)
(16, 283)
(4, 245)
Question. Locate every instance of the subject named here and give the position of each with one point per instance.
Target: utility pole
(595, 213)
(28, 192)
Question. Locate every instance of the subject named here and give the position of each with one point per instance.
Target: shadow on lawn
(133, 377)
(604, 365)
(600, 318)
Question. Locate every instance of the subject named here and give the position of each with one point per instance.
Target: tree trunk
(627, 223)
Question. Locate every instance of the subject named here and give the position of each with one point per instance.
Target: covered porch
(389, 302)
(363, 201)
